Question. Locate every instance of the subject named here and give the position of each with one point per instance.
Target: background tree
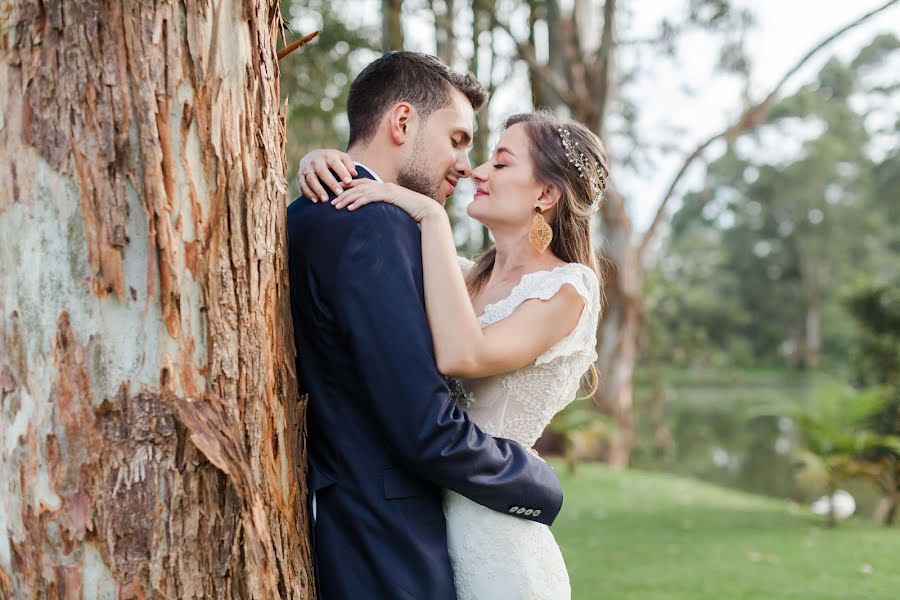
(314, 88)
(582, 77)
(783, 235)
(151, 427)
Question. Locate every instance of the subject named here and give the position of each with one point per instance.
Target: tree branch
(748, 121)
(551, 77)
(296, 44)
(603, 73)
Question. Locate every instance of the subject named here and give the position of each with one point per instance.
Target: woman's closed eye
(499, 166)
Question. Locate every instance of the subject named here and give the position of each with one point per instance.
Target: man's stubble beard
(415, 177)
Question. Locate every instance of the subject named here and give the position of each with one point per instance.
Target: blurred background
(750, 342)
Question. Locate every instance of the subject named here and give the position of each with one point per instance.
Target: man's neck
(381, 163)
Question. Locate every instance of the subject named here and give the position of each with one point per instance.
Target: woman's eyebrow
(507, 150)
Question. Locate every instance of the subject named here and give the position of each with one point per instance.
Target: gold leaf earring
(541, 234)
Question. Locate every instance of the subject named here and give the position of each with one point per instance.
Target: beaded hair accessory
(587, 168)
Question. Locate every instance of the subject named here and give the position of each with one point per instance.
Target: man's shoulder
(376, 211)
(376, 229)
(387, 215)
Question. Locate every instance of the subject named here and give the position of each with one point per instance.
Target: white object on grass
(844, 505)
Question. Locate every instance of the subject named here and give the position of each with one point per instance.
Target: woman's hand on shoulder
(365, 191)
(319, 167)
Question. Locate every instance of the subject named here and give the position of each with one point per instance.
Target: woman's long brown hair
(571, 220)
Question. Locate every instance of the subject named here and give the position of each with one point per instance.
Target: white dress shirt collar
(373, 173)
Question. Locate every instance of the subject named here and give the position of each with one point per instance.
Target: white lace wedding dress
(497, 556)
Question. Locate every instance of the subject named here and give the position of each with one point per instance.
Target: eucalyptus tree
(151, 425)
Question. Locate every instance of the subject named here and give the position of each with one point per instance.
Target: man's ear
(400, 124)
(549, 198)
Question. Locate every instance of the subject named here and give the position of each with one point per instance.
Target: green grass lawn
(653, 536)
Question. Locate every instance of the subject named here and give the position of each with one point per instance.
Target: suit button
(537, 513)
(520, 511)
(513, 510)
(528, 512)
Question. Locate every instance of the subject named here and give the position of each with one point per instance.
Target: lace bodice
(519, 405)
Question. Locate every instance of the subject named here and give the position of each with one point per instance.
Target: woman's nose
(480, 173)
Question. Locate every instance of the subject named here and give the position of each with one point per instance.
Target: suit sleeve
(379, 301)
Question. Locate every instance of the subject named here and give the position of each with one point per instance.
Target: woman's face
(507, 190)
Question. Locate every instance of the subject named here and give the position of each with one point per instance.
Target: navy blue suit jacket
(384, 436)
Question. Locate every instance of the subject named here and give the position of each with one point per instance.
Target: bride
(516, 329)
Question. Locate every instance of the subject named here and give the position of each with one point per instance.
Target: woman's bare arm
(462, 347)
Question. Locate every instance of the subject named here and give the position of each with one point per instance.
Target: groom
(384, 436)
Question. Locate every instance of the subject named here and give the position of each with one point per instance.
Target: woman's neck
(516, 257)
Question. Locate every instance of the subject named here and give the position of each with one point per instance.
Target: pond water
(733, 433)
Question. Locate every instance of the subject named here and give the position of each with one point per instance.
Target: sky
(682, 101)
(785, 31)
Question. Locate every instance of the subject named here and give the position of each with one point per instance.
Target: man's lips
(452, 182)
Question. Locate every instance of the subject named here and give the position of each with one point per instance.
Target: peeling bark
(150, 425)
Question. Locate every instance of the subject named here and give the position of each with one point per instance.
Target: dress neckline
(522, 280)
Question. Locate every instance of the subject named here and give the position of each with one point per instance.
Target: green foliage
(839, 441)
(877, 309)
(315, 79)
(583, 431)
(759, 259)
(835, 423)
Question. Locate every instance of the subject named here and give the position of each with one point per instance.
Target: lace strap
(581, 340)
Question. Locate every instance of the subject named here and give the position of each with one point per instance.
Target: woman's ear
(401, 118)
(549, 198)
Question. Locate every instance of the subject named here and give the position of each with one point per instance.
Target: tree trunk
(813, 336)
(617, 337)
(445, 31)
(150, 425)
(538, 93)
(391, 25)
(559, 27)
(482, 65)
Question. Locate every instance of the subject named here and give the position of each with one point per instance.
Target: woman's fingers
(349, 164)
(339, 164)
(323, 170)
(305, 189)
(358, 183)
(306, 177)
(347, 197)
(335, 170)
(312, 181)
(360, 202)
(356, 198)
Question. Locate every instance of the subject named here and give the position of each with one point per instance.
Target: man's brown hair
(420, 79)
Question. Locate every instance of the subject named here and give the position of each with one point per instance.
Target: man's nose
(463, 166)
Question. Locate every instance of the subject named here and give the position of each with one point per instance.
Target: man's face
(438, 157)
